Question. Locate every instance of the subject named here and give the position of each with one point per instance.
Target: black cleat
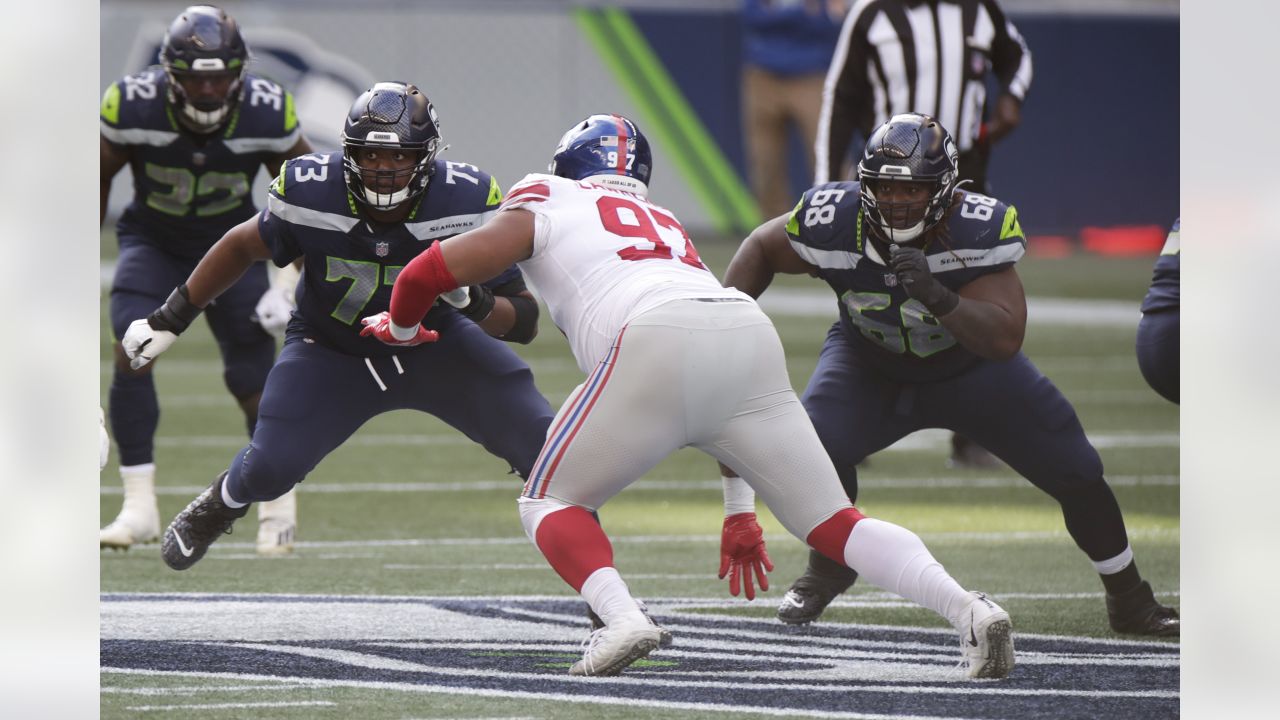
(1137, 612)
(810, 595)
(195, 528)
(664, 635)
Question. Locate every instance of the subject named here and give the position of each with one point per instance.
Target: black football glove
(474, 302)
(912, 268)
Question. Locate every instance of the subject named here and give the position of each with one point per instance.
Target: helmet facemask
(907, 176)
(390, 117)
(204, 113)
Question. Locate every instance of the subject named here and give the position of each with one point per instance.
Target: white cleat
(275, 536)
(986, 637)
(131, 527)
(612, 648)
(277, 524)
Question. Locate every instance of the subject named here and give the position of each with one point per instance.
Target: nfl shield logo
(382, 248)
(890, 280)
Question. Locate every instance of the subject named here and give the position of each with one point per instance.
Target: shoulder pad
(982, 221)
(534, 187)
(266, 120)
(466, 185)
(136, 101)
(311, 190)
(826, 217)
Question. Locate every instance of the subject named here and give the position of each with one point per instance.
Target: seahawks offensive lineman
(1159, 329)
(356, 218)
(194, 130)
(932, 316)
(674, 360)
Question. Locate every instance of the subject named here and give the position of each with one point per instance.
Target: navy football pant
(1008, 407)
(1159, 352)
(316, 397)
(145, 276)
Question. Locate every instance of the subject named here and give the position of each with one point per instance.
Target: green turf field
(992, 530)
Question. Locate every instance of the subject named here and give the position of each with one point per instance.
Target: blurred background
(1093, 165)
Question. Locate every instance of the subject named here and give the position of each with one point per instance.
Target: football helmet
(204, 43)
(605, 150)
(911, 148)
(394, 116)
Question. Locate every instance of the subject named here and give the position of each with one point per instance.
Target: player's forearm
(749, 271)
(985, 329)
(417, 287)
(222, 266)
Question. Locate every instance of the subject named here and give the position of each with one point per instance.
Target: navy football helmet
(910, 148)
(393, 116)
(204, 43)
(608, 150)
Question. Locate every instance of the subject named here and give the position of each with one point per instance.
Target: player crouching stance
(674, 359)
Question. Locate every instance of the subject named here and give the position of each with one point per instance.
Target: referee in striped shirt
(925, 56)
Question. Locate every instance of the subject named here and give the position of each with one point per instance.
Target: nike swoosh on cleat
(186, 551)
(973, 638)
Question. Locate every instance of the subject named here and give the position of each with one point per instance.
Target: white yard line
(229, 706)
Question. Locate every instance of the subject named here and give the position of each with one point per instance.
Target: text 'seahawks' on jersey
(351, 263)
(189, 189)
(889, 330)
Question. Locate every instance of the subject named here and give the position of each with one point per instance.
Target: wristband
(738, 496)
(176, 314)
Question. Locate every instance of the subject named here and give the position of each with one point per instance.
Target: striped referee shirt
(927, 56)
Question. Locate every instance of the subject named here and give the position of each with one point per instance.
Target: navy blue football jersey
(889, 330)
(350, 262)
(189, 190)
(1165, 283)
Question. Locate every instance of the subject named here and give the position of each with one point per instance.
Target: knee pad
(246, 366)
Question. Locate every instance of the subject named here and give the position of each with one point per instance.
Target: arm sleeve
(1010, 56)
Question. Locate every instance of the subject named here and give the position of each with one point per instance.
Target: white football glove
(143, 344)
(273, 310)
(277, 303)
(104, 442)
(458, 297)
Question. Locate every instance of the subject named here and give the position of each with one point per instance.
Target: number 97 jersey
(889, 330)
(603, 256)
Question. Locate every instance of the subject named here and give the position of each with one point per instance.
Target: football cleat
(277, 524)
(664, 635)
(1137, 612)
(610, 649)
(196, 527)
(810, 595)
(131, 527)
(986, 639)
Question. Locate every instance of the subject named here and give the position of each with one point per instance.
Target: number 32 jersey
(603, 256)
(890, 331)
(189, 190)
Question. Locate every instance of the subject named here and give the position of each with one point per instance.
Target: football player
(193, 130)
(356, 218)
(932, 316)
(1159, 329)
(673, 359)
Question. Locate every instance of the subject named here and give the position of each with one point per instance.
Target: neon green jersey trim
(111, 104)
(1011, 227)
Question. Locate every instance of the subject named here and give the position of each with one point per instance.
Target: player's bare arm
(991, 318)
(110, 159)
(766, 252)
(225, 262)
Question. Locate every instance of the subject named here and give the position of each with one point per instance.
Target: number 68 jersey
(890, 331)
(603, 256)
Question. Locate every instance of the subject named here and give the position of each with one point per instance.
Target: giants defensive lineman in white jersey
(674, 359)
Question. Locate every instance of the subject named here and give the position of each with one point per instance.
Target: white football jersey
(603, 256)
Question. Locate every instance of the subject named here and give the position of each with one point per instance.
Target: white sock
(897, 560)
(228, 500)
(1115, 564)
(607, 594)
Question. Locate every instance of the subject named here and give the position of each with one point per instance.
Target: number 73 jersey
(889, 330)
(603, 256)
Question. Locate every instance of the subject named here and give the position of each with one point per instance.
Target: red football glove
(379, 326)
(742, 553)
